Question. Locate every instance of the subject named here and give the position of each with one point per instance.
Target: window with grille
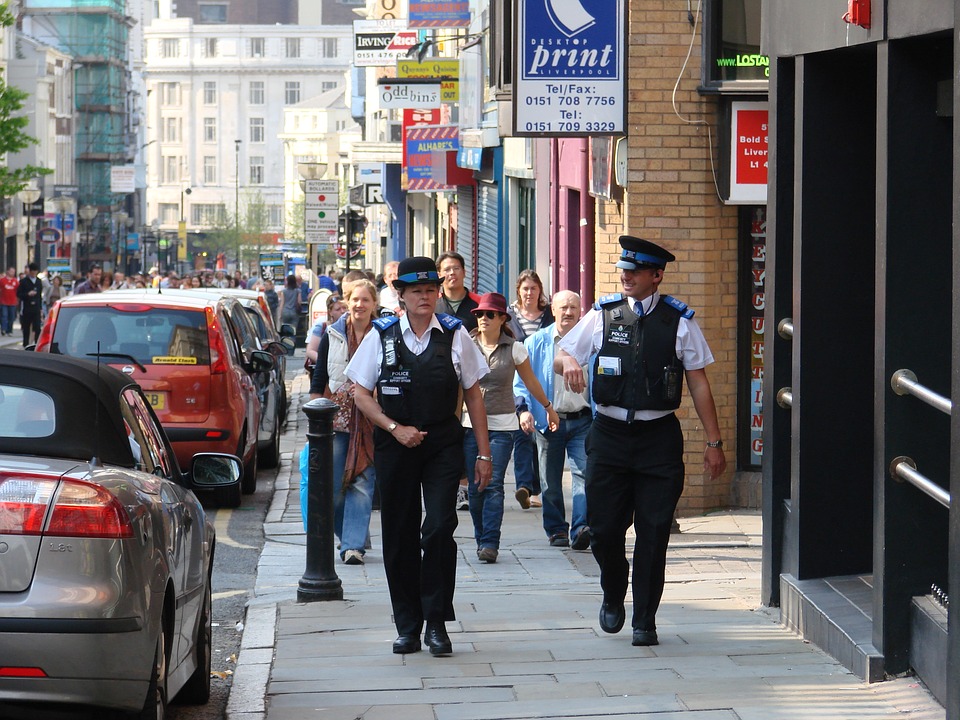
(256, 130)
(293, 47)
(209, 93)
(170, 47)
(275, 218)
(210, 47)
(171, 129)
(256, 170)
(328, 85)
(256, 92)
(291, 93)
(169, 94)
(209, 170)
(170, 169)
(257, 47)
(328, 47)
(206, 214)
(209, 129)
(169, 213)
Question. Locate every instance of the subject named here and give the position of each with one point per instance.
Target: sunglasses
(488, 314)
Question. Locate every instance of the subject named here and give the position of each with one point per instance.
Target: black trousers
(420, 560)
(634, 475)
(30, 320)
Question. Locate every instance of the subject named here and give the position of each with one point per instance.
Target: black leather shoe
(612, 617)
(435, 637)
(642, 638)
(406, 644)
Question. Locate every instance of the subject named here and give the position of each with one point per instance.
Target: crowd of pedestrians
(438, 387)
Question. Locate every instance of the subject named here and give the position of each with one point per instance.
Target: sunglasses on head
(488, 314)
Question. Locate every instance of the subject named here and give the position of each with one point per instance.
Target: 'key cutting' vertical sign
(570, 68)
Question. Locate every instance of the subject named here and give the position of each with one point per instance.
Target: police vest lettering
(637, 367)
(419, 390)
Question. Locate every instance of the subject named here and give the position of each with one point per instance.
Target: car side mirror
(262, 361)
(288, 330)
(210, 470)
(289, 344)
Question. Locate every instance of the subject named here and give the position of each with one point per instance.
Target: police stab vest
(418, 390)
(637, 367)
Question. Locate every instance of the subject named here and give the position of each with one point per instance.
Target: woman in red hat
(505, 356)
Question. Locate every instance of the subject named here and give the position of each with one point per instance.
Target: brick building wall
(671, 199)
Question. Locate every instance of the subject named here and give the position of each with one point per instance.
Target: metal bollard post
(320, 581)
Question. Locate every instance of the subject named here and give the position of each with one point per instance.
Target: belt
(621, 414)
(583, 412)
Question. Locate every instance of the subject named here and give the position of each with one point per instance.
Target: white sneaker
(462, 502)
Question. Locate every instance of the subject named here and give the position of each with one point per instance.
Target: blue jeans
(568, 439)
(486, 508)
(351, 509)
(525, 467)
(7, 315)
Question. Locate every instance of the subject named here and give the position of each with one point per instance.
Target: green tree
(254, 223)
(13, 139)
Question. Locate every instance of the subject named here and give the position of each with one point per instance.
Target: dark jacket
(463, 312)
(31, 304)
(545, 320)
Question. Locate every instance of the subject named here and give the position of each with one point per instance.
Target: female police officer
(645, 343)
(417, 364)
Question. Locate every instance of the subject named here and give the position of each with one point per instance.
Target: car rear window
(26, 413)
(149, 335)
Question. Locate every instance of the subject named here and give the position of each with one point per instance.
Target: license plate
(157, 399)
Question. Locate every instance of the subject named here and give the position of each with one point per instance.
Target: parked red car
(185, 353)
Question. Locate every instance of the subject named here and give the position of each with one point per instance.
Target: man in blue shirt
(576, 416)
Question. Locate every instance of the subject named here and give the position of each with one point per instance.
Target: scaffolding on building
(95, 33)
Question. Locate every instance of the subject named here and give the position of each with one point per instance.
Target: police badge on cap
(416, 271)
(638, 254)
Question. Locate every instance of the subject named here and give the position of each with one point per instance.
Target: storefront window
(731, 46)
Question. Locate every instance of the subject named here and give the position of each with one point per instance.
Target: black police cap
(416, 271)
(638, 253)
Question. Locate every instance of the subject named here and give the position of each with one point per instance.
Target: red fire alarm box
(858, 13)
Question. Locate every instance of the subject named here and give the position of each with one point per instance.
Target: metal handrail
(904, 382)
(785, 397)
(785, 328)
(904, 469)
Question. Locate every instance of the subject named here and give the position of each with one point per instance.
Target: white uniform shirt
(586, 338)
(468, 361)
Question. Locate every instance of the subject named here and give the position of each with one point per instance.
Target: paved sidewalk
(526, 641)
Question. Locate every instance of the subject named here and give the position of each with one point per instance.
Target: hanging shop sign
(447, 70)
(379, 43)
(440, 13)
(410, 93)
(425, 147)
(570, 68)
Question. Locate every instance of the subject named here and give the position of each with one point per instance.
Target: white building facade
(216, 100)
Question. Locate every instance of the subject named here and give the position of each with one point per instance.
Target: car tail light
(80, 509)
(218, 348)
(46, 335)
(22, 672)
(24, 500)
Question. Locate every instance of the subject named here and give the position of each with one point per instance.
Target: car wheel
(196, 691)
(270, 457)
(249, 481)
(155, 704)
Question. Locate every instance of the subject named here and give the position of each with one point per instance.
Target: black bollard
(320, 581)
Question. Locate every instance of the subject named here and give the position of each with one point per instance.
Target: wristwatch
(391, 427)
(488, 458)
(716, 444)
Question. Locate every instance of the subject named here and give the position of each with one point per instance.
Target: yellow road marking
(221, 525)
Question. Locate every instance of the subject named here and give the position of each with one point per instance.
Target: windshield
(149, 335)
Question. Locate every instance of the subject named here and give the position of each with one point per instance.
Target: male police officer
(416, 364)
(644, 343)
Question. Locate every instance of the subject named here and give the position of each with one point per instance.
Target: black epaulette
(680, 307)
(608, 300)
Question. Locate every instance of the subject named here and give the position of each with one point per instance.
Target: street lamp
(28, 196)
(87, 214)
(181, 230)
(236, 196)
(121, 218)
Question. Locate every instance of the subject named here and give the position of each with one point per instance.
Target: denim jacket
(541, 349)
